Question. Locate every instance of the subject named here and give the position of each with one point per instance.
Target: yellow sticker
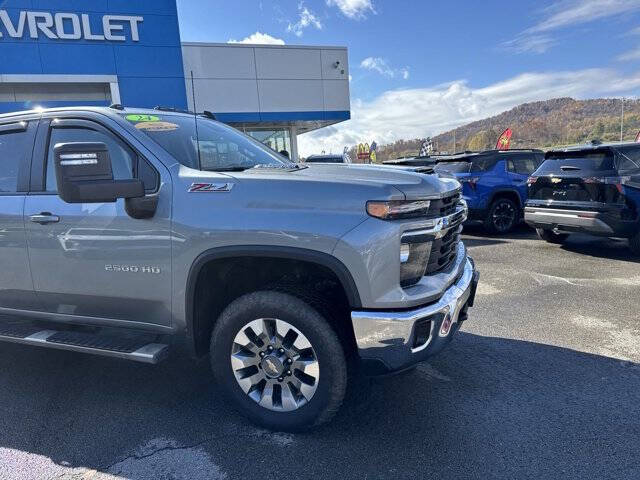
(157, 126)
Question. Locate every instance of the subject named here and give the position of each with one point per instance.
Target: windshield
(583, 162)
(453, 167)
(221, 147)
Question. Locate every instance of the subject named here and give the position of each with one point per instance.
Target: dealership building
(129, 52)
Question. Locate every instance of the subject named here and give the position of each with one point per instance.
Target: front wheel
(279, 361)
(551, 236)
(502, 217)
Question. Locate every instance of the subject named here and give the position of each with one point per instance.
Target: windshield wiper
(569, 167)
(236, 168)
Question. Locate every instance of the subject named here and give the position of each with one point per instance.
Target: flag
(426, 148)
(504, 140)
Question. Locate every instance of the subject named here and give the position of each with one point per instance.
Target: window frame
(41, 151)
(22, 178)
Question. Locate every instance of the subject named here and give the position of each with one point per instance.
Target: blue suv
(494, 183)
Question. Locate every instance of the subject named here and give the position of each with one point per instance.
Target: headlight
(397, 209)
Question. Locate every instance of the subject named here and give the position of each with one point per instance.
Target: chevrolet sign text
(68, 26)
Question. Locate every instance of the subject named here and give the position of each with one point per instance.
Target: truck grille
(443, 251)
(444, 206)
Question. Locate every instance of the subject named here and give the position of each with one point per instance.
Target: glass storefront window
(278, 139)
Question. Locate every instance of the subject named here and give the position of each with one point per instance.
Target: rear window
(577, 162)
(466, 166)
(453, 167)
(629, 158)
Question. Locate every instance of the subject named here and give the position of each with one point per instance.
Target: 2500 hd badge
(132, 268)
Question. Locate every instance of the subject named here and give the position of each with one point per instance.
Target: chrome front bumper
(389, 341)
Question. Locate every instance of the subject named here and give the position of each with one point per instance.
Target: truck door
(93, 260)
(16, 145)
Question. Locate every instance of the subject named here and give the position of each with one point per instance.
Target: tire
(250, 318)
(502, 217)
(634, 244)
(550, 236)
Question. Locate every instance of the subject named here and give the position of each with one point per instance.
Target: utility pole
(454, 141)
(622, 119)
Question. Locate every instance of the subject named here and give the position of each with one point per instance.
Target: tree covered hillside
(559, 121)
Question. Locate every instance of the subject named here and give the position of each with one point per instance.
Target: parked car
(123, 232)
(591, 189)
(494, 184)
(329, 158)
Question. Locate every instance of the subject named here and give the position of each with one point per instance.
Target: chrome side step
(86, 343)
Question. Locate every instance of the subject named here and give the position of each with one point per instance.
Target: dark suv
(591, 189)
(494, 183)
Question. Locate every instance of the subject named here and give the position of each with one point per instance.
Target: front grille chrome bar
(438, 227)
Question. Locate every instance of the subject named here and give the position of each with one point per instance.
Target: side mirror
(84, 175)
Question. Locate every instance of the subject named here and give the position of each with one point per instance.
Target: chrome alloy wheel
(275, 364)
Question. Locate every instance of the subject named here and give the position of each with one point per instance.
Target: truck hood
(413, 185)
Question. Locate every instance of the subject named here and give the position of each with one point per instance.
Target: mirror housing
(84, 174)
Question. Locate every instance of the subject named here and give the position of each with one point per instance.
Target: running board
(128, 349)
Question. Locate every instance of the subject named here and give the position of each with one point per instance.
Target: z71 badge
(210, 187)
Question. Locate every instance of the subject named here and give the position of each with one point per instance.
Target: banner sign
(504, 140)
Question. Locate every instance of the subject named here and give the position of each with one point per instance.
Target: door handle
(44, 218)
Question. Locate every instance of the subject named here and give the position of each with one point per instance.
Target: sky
(419, 68)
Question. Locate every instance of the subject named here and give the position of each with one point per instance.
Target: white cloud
(377, 64)
(306, 18)
(529, 43)
(575, 12)
(565, 13)
(380, 65)
(354, 9)
(629, 56)
(421, 112)
(259, 38)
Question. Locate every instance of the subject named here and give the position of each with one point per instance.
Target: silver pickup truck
(127, 233)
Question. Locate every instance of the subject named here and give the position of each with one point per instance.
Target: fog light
(405, 251)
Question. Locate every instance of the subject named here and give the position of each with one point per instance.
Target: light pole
(621, 119)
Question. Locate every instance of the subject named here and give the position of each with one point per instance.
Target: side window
(523, 166)
(482, 165)
(16, 144)
(123, 160)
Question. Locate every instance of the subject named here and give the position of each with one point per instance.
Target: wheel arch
(510, 193)
(296, 255)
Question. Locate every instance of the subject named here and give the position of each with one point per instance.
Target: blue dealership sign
(136, 42)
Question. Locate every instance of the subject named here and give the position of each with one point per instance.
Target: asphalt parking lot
(542, 382)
